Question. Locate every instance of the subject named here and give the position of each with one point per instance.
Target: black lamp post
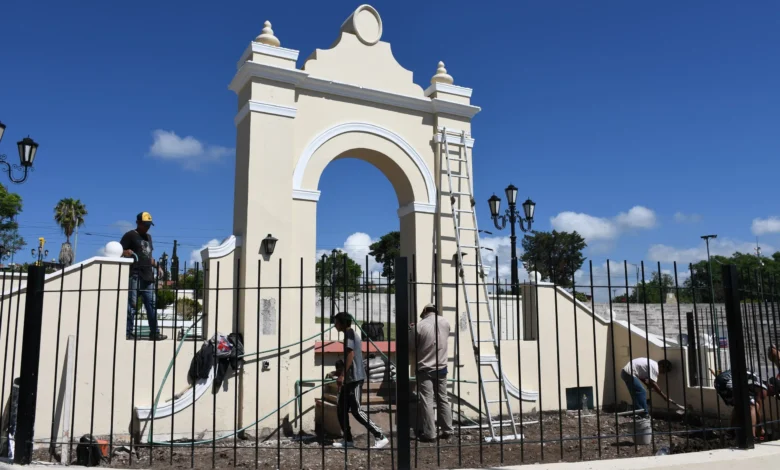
(164, 264)
(513, 217)
(706, 239)
(28, 148)
(40, 252)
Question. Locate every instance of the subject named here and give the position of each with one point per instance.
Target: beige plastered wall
(112, 374)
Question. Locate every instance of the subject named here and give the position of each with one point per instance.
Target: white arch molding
(301, 193)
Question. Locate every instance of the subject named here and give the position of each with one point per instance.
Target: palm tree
(69, 214)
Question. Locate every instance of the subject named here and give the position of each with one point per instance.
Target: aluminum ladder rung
(490, 335)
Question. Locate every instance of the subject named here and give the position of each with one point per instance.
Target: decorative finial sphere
(441, 75)
(267, 36)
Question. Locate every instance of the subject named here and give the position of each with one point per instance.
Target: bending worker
(642, 372)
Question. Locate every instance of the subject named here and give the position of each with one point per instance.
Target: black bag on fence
(374, 330)
(88, 452)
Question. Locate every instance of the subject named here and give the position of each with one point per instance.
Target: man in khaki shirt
(430, 338)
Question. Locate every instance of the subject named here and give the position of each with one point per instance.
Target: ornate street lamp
(28, 148)
(164, 264)
(513, 217)
(40, 252)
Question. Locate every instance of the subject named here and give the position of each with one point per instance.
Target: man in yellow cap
(138, 244)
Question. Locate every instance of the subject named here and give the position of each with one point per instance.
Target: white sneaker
(342, 444)
(381, 443)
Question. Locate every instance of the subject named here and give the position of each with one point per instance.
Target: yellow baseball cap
(144, 217)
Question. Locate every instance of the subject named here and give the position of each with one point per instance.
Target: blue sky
(643, 125)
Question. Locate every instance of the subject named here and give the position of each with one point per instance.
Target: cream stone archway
(351, 100)
(420, 202)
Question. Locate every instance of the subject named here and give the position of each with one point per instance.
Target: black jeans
(349, 400)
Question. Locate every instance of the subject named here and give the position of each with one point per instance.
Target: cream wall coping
(448, 88)
(74, 268)
(227, 246)
(302, 80)
(260, 48)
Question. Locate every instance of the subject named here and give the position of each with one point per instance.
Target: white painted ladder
(477, 301)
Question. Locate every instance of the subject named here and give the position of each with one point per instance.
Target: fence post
(737, 356)
(693, 350)
(28, 371)
(402, 362)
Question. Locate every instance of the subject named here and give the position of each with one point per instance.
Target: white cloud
(502, 249)
(188, 151)
(682, 218)
(637, 217)
(123, 226)
(101, 251)
(590, 227)
(764, 226)
(601, 229)
(357, 246)
(718, 246)
(195, 255)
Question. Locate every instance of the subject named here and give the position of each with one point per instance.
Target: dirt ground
(307, 453)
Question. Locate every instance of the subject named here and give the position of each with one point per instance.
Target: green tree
(10, 207)
(192, 279)
(385, 251)
(336, 274)
(554, 255)
(69, 214)
(749, 267)
(698, 284)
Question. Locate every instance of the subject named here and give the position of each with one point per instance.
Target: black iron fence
(248, 371)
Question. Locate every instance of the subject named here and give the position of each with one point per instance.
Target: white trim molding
(265, 108)
(412, 207)
(308, 152)
(306, 195)
(228, 246)
(260, 48)
(454, 137)
(456, 90)
(250, 70)
(302, 80)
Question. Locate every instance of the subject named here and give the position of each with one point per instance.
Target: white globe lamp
(113, 250)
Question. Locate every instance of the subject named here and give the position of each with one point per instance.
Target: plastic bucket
(643, 432)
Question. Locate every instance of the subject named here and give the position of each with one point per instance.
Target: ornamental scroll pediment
(359, 57)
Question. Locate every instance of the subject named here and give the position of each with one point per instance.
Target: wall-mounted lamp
(269, 244)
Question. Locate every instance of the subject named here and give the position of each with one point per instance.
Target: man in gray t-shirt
(351, 383)
(354, 344)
